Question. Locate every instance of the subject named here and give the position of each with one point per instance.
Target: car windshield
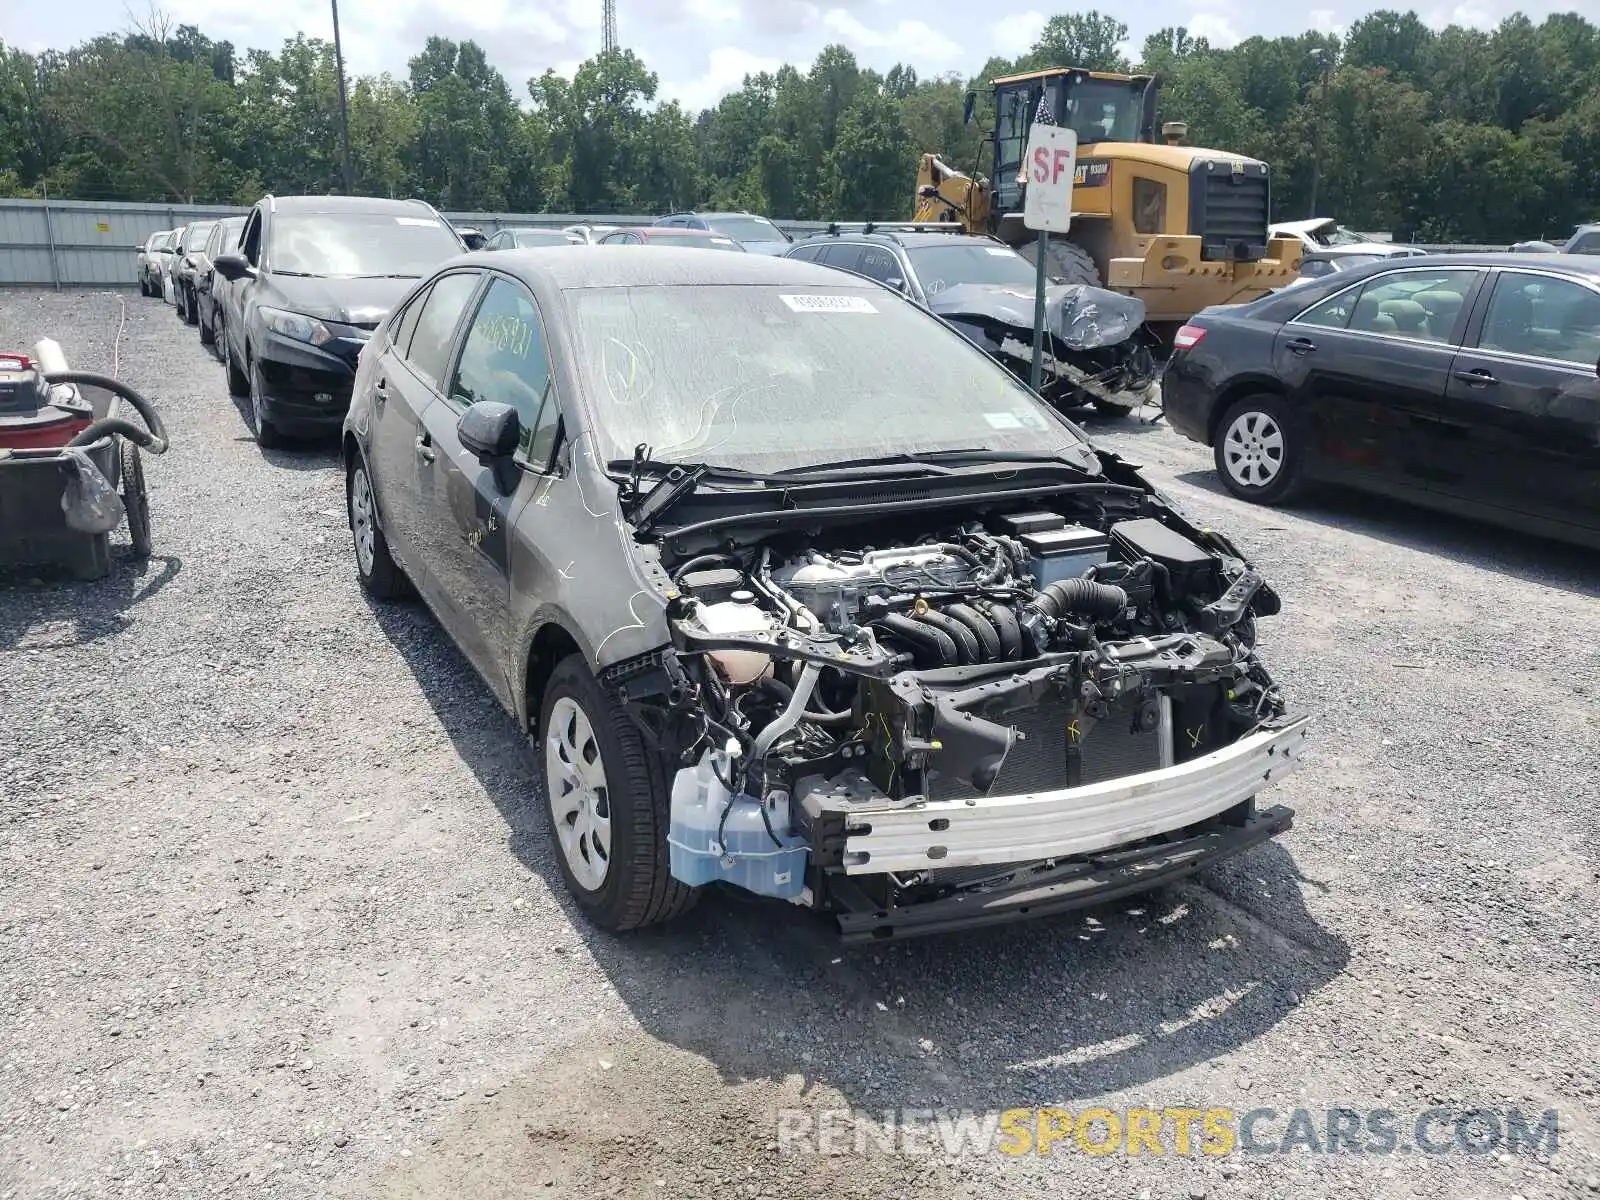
(767, 378)
(539, 237)
(746, 229)
(360, 244)
(1345, 261)
(940, 267)
(198, 235)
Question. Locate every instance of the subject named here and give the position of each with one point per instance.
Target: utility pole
(1320, 56)
(344, 108)
(608, 33)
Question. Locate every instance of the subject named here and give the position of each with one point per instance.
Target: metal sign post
(1051, 164)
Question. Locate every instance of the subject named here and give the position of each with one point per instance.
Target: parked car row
(290, 293)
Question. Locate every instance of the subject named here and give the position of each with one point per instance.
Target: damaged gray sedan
(795, 590)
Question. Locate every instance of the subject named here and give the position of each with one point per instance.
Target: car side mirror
(490, 430)
(899, 285)
(233, 267)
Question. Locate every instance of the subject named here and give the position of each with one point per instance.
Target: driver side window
(504, 359)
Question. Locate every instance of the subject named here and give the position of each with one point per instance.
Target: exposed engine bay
(900, 724)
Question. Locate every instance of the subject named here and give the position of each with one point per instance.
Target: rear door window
(1586, 243)
(433, 338)
(846, 256)
(1542, 316)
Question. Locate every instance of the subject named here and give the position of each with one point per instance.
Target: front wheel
(1259, 450)
(606, 797)
(267, 435)
(191, 313)
(208, 331)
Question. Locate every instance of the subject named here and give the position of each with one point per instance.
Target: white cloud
(1473, 16)
(1325, 20)
(1015, 34)
(1215, 28)
(725, 73)
(913, 42)
(715, 12)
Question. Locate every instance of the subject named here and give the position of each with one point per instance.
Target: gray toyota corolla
(797, 591)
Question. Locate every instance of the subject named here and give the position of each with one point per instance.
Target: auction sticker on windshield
(416, 221)
(844, 304)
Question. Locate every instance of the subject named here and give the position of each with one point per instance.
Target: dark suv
(756, 234)
(312, 278)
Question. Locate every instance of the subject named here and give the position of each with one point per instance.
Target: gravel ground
(277, 918)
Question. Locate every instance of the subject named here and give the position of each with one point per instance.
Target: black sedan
(898, 646)
(1466, 383)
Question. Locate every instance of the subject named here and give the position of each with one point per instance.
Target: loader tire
(1066, 261)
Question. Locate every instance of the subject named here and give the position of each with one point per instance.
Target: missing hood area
(964, 715)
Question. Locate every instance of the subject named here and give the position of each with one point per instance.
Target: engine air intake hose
(980, 627)
(1085, 597)
(929, 646)
(967, 649)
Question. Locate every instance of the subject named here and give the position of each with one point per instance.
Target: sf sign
(1052, 160)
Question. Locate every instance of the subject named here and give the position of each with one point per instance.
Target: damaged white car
(798, 591)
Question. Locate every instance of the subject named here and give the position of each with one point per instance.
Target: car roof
(553, 268)
(351, 204)
(910, 240)
(1563, 264)
(670, 231)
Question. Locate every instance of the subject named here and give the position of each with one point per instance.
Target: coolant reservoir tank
(739, 614)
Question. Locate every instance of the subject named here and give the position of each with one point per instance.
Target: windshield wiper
(941, 461)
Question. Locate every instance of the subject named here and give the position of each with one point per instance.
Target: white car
(1323, 234)
(149, 269)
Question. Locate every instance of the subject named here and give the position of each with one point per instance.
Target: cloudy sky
(700, 48)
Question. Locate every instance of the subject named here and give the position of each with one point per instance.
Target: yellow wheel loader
(1180, 227)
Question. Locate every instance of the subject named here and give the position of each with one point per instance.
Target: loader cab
(1098, 106)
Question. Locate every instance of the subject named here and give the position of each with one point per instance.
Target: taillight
(1188, 337)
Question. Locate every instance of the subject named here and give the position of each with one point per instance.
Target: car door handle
(425, 447)
(1477, 377)
(380, 392)
(1301, 345)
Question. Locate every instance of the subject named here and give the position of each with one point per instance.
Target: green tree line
(1437, 135)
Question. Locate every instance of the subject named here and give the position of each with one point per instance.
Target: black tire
(135, 499)
(144, 286)
(267, 435)
(379, 575)
(238, 381)
(1066, 261)
(208, 331)
(638, 888)
(191, 314)
(177, 299)
(1259, 450)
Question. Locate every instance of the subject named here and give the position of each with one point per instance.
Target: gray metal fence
(86, 243)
